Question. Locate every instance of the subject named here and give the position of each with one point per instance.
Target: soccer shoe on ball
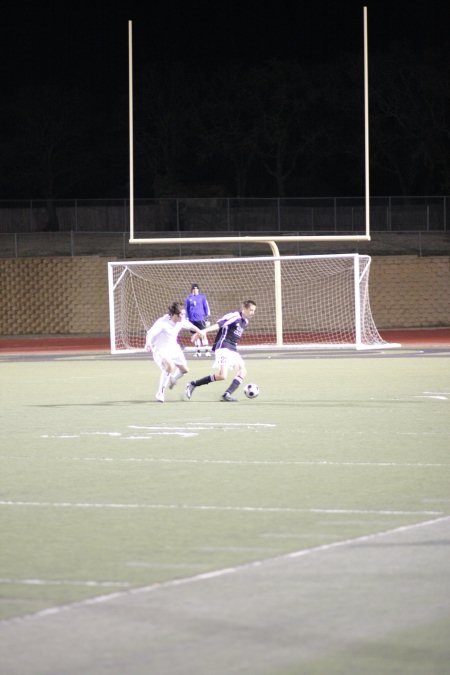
(251, 390)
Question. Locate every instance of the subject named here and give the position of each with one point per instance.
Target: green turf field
(104, 490)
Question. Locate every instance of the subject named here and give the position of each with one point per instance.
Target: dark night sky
(85, 46)
(53, 42)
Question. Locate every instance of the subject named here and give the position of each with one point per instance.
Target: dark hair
(194, 286)
(175, 308)
(247, 303)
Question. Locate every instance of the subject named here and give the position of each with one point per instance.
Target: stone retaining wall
(69, 295)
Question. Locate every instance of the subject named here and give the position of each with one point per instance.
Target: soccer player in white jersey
(229, 330)
(162, 341)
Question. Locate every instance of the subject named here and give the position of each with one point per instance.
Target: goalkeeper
(197, 312)
(162, 341)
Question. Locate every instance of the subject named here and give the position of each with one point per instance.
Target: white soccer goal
(313, 301)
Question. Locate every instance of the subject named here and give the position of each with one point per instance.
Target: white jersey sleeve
(164, 332)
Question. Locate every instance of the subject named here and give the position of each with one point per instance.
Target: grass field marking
(243, 462)
(437, 393)
(189, 430)
(58, 582)
(203, 425)
(205, 576)
(234, 424)
(205, 507)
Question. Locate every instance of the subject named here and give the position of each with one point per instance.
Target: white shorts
(227, 359)
(173, 354)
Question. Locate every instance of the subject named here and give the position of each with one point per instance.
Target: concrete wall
(410, 292)
(53, 296)
(50, 296)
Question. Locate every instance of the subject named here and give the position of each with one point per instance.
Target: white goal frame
(303, 302)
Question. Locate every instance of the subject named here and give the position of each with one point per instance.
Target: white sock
(163, 380)
(176, 375)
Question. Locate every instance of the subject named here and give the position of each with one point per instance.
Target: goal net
(302, 301)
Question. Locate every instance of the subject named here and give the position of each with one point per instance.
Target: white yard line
(211, 507)
(65, 582)
(243, 462)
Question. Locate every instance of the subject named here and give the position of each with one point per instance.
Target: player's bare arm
(211, 328)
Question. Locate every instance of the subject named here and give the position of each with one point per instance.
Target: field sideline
(303, 532)
(414, 337)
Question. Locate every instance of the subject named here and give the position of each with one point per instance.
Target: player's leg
(204, 339)
(161, 362)
(180, 367)
(167, 366)
(201, 343)
(239, 366)
(222, 370)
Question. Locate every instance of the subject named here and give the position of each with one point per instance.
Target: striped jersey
(231, 327)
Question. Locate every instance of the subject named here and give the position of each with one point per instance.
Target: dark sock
(234, 385)
(203, 380)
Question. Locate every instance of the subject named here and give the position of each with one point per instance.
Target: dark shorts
(199, 324)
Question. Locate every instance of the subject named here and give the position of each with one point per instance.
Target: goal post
(311, 301)
(195, 239)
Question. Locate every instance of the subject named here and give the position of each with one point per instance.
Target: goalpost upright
(352, 326)
(254, 239)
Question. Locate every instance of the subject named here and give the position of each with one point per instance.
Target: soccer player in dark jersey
(229, 330)
(197, 312)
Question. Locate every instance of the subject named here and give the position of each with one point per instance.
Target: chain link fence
(399, 225)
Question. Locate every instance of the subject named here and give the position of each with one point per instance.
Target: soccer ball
(251, 390)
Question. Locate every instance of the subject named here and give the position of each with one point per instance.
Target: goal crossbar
(249, 238)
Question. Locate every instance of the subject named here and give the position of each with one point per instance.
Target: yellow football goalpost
(312, 283)
(272, 240)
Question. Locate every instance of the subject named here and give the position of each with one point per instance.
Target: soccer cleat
(189, 389)
(228, 397)
(207, 353)
(160, 396)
